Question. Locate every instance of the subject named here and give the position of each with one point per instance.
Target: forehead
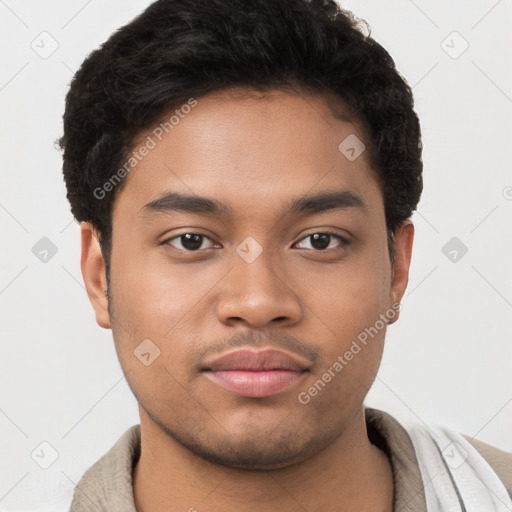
(250, 151)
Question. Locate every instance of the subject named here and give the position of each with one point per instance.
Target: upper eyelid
(341, 238)
(167, 240)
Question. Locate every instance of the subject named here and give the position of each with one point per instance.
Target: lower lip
(255, 383)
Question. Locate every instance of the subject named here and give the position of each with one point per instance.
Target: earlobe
(93, 272)
(403, 241)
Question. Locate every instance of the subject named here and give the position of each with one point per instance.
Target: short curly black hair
(178, 49)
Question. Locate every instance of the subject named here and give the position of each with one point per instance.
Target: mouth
(256, 374)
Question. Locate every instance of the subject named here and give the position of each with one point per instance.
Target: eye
(188, 242)
(322, 240)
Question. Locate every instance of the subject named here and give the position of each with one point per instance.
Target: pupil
(320, 240)
(191, 241)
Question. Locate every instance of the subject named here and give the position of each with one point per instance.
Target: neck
(351, 474)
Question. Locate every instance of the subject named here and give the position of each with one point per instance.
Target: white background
(448, 359)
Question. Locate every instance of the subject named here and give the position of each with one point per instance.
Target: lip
(259, 373)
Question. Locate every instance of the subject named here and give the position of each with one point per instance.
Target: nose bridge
(262, 275)
(256, 290)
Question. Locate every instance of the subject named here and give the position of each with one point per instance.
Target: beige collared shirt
(107, 485)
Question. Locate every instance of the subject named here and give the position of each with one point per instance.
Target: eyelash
(343, 241)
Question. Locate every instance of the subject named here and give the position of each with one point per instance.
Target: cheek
(154, 300)
(348, 314)
(346, 303)
(153, 296)
(151, 308)
(348, 295)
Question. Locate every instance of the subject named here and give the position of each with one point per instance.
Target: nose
(258, 294)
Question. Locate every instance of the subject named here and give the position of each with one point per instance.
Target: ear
(403, 239)
(93, 272)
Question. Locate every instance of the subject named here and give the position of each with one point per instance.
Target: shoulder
(108, 482)
(499, 460)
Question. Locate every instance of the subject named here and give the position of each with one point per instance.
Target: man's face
(254, 277)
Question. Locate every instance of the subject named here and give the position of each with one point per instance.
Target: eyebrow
(323, 201)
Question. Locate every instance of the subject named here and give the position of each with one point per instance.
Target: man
(244, 174)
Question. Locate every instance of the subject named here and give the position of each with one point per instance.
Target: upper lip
(257, 360)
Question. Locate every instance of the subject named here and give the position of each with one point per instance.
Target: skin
(203, 447)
